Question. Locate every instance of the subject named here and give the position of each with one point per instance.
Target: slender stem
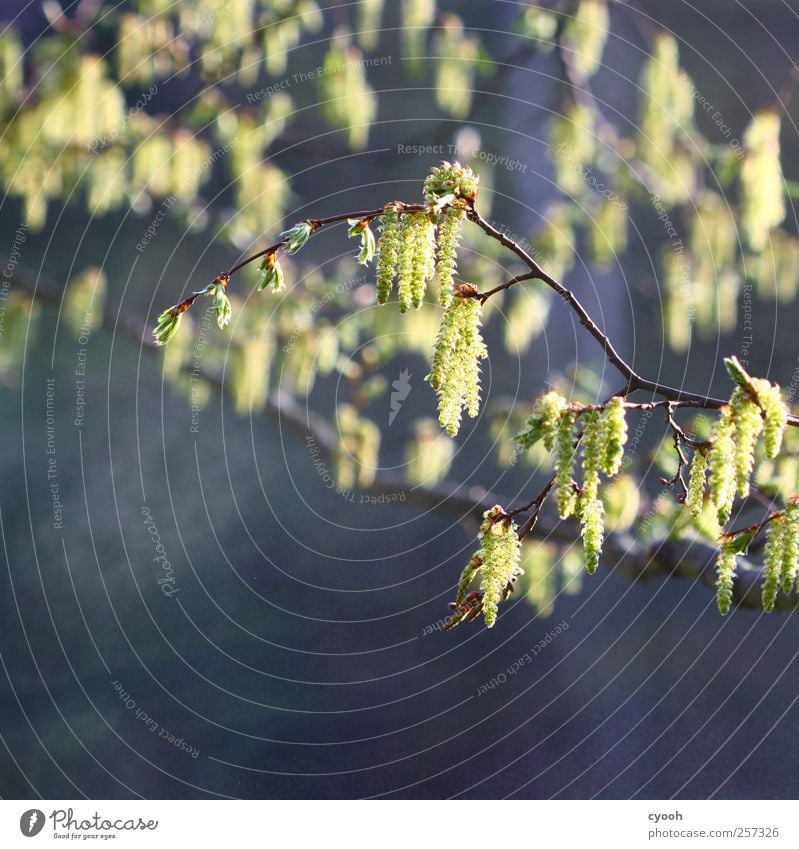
(484, 296)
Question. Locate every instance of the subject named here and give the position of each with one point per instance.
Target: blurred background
(226, 564)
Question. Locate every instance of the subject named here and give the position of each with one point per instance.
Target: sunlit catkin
(772, 562)
(722, 464)
(500, 553)
(613, 426)
(416, 264)
(387, 253)
(455, 372)
(790, 546)
(592, 445)
(775, 413)
(726, 564)
(589, 508)
(548, 413)
(695, 500)
(449, 234)
(565, 495)
(592, 529)
(748, 425)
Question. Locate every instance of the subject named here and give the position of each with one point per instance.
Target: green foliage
(370, 13)
(167, 325)
(356, 457)
(775, 270)
(762, 198)
(296, 237)
(585, 35)
(457, 54)
(572, 148)
(667, 107)
(359, 229)
(526, 317)
(84, 302)
(417, 17)
(248, 366)
(621, 500)
(429, 454)
(608, 237)
(222, 306)
(271, 273)
(539, 580)
(349, 101)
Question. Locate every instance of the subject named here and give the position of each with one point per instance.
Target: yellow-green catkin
(387, 254)
(416, 262)
(565, 496)
(455, 372)
(592, 445)
(613, 426)
(590, 509)
(500, 553)
(449, 234)
(429, 454)
(695, 500)
(748, 425)
(790, 547)
(775, 413)
(592, 529)
(549, 410)
(726, 564)
(772, 562)
(722, 464)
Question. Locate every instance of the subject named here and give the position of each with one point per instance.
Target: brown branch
(622, 553)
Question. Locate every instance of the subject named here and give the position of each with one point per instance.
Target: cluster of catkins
(755, 409)
(414, 247)
(497, 563)
(604, 434)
